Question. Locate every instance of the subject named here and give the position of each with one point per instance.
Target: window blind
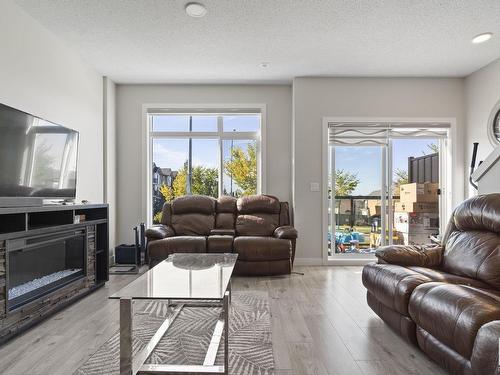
(380, 133)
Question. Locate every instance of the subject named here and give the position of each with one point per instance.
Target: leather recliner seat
(256, 227)
(446, 299)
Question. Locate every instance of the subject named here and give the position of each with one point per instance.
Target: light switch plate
(314, 186)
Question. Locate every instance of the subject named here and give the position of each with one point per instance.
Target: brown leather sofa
(255, 227)
(446, 299)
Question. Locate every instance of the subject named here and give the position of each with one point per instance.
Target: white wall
(42, 76)
(109, 146)
(129, 101)
(482, 93)
(315, 98)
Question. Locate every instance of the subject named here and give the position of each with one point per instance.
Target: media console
(49, 257)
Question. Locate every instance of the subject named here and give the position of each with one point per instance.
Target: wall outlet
(314, 186)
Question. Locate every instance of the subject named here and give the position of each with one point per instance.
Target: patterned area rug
(187, 340)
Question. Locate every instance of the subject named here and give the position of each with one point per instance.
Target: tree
(243, 168)
(204, 181)
(401, 177)
(433, 147)
(345, 182)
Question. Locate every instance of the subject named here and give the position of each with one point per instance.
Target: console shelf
(22, 226)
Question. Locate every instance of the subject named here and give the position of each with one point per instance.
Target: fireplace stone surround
(49, 259)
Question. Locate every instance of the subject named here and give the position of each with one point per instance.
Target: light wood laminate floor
(321, 324)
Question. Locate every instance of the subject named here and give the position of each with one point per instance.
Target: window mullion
(223, 138)
(221, 167)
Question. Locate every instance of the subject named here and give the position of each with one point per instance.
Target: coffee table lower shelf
(132, 365)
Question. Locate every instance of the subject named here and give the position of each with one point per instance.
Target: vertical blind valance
(379, 134)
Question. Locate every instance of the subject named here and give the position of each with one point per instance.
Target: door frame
(445, 176)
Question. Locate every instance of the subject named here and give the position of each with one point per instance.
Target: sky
(365, 161)
(173, 152)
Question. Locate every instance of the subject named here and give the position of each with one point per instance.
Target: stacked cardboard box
(416, 216)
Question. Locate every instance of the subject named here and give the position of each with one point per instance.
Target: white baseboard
(332, 262)
(350, 262)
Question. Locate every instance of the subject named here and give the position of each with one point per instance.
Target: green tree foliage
(243, 168)
(204, 181)
(345, 182)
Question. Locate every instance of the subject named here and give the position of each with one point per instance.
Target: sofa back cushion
(258, 215)
(193, 215)
(225, 212)
(472, 245)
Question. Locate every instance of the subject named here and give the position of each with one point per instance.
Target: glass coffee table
(181, 280)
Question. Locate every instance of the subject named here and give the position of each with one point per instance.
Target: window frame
(448, 163)
(219, 110)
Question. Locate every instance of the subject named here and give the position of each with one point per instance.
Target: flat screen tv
(37, 157)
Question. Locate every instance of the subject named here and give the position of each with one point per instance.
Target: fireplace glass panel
(41, 265)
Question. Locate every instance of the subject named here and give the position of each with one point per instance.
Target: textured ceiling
(155, 41)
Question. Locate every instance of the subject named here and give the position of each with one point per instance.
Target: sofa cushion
(258, 204)
(286, 231)
(478, 213)
(486, 356)
(454, 313)
(251, 248)
(257, 224)
(447, 358)
(189, 204)
(193, 224)
(229, 232)
(398, 322)
(474, 254)
(445, 277)
(161, 249)
(159, 231)
(284, 214)
(392, 285)
(226, 204)
(224, 220)
(472, 238)
(263, 268)
(411, 255)
(219, 244)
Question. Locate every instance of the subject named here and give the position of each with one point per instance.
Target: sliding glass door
(357, 215)
(384, 186)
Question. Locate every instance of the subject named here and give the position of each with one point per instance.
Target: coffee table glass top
(183, 276)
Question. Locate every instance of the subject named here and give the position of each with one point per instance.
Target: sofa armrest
(484, 359)
(285, 231)
(158, 232)
(411, 255)
(222, 232)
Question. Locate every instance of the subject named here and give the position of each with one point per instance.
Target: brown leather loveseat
(255, 227)
(446, 299)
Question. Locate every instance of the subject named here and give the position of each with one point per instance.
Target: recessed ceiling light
(481, 38)
(196, 10)
(264, 65)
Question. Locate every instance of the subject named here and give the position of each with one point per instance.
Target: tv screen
(37, 157)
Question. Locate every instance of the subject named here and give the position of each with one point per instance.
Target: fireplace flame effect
(34, 284)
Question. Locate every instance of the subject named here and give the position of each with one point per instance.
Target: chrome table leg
(226, 333)
(126, 313)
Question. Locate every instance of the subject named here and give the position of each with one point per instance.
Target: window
(368, 166)
(495, 127)
(208, 154)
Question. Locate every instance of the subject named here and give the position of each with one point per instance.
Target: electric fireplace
(41, 264)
